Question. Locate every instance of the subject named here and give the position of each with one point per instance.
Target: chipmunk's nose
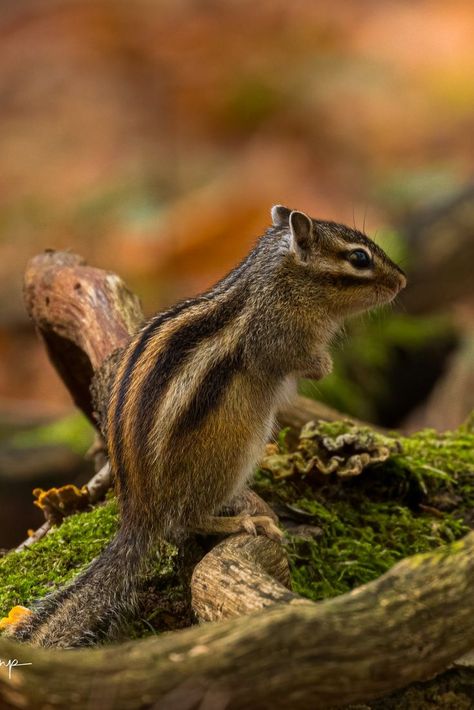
(398, 282)
(402, 281)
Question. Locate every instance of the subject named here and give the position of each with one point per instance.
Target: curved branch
(301, 410)
(240, 575)
(82, 314)
(407, 625)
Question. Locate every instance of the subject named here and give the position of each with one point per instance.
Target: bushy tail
(95, 604)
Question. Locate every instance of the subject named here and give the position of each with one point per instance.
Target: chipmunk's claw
(263, 524)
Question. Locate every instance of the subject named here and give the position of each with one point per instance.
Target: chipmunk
(194, 400)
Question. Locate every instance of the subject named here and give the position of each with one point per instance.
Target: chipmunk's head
(348, 269)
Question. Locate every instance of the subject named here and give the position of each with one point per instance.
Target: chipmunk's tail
(95, 605)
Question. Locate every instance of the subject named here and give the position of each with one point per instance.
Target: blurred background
(154, 137)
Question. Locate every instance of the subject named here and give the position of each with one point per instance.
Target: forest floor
(352, 501)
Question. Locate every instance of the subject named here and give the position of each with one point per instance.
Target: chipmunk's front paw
(320, 367)
(254, 524)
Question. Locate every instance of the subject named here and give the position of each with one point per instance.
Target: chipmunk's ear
(301, 230)
(280, 216)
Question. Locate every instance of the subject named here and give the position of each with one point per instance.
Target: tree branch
(82, 314)
(405, 626)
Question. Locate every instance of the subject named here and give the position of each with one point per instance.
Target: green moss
(359, 544)
(66, 550)
(345, 532)
(57, 558)
(341, 531)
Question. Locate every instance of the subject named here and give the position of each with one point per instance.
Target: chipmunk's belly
(263, 429)
(212, 463)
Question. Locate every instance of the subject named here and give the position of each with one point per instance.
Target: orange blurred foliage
(154, 137)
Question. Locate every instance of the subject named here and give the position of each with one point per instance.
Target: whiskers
(354, 223)
(399, 303)
(340, 336)
(311, 388)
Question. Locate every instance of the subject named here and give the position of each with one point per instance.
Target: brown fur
(194, 400)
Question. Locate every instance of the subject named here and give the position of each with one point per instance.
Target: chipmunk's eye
(360, 259)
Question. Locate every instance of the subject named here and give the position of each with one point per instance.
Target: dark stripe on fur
(133, 358)
(171, 358)
(345, 280)
(353, 236)
(149, 331)
(210, 393)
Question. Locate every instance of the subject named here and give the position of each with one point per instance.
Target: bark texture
(267, 648)
(82, 315)
(409, 624)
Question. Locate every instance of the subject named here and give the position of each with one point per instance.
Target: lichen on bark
(412, 494)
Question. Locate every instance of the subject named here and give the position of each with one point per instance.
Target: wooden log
(240, 575)
(82, 314)
(303, 409)
(407, 625)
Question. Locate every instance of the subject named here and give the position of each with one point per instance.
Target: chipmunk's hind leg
(251, 524)
(249, 503)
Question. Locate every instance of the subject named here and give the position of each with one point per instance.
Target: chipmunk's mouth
(386, 294)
